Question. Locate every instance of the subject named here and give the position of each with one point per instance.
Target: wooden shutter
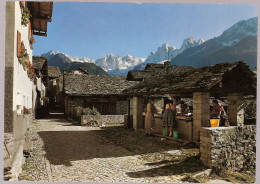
(18, 44)
(29, 30)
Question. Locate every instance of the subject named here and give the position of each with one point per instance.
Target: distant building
(40, 101)
(53, 91)
(155, 69)
(78, 71)
(100, 92)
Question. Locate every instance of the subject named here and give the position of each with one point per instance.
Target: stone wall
(8, 109)
(21, 124)
(121, 107)
(102, 120)
(232, 148)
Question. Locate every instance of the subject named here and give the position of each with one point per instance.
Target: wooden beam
(39, 14)
(48, 19)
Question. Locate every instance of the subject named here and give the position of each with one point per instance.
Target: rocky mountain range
(236, 43)
(167, 52)
(116, 65)
(68, 63)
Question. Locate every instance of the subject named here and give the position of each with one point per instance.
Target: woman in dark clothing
(168, 121)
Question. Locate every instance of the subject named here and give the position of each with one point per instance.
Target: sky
(94, 30)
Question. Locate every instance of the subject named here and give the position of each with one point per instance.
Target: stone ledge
(15, 161)
(102, 120)
(231, 147)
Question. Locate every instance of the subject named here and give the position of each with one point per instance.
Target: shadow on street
(62, 147)
(188, 165)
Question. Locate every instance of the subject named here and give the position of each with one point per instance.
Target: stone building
(100, 92)
(40, 100)
(54, 90)
(156, 69)
(78, 71)
(231, 81)
(23, 21)
(41, 69)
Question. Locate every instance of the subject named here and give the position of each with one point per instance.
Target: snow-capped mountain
(68, 57)
(238, 31)
(111, 62)
(116, 65)
(191, 52)
(66, 62)
(188, 43)
(235, 43)
(167, 52)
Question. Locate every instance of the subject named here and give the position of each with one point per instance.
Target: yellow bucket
(214, 122)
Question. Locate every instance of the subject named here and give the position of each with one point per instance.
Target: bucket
(175, 134)
(214, 122)
(164, 132)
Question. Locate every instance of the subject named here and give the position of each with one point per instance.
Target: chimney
(166, 66)
(167, 63)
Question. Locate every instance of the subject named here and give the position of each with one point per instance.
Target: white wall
(22, 83)
(41, 88)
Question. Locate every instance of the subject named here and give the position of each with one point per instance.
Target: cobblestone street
(65, 152)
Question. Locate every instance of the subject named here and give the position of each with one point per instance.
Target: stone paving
(65, 152)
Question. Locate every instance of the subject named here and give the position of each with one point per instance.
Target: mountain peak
(238, 31)
(187, 42)
(52, 52)
(128, 56)
(200, 41)
(190, 42)
(189, 39)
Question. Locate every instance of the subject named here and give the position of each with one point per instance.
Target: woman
(218, 112)
(149, 118)
(169, 118)
(217, 109)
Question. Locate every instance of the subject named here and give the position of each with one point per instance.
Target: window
(19, 103)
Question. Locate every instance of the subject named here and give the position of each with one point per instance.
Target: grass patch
(234, 177)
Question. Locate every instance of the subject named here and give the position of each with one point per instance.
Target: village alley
(63, 151)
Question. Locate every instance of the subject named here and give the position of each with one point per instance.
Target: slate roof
(95, 85)
(153, 69)
(53, 71)
(38, 62)
(138, 75)
(235, 76)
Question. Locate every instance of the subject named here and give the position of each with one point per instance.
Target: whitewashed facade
(21, 84)
(20, 80)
